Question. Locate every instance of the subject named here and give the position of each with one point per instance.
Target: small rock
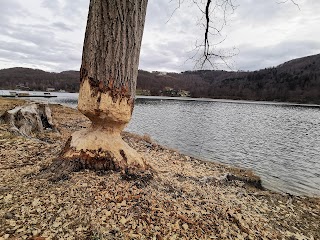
(39, 210)
(8, 215)
(35, 233)
(36, 202)
(134, 225)
(79, 229)
(123, 221)
(108, 214)
(56, 224)
(10, 231)
(12, 223)
(69, 212)
(7, 198)
(185, 226)
(21, 230)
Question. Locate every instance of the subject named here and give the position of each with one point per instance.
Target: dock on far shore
(13, 94)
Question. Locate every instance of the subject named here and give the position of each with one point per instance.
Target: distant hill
(297, 80)
(37, 79)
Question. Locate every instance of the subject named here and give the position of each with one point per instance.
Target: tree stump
(28, 119)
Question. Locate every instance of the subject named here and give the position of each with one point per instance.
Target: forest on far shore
(297, 80)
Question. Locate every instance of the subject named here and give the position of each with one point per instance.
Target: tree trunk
(108, 82)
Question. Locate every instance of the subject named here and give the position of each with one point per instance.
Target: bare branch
(206, 39)
(209, 50)
(297, 5)
(179, 5)
(214, 18)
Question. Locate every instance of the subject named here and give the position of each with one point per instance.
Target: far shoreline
(229, 101)
(200, 99)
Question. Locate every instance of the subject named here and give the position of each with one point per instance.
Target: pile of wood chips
(184, 199)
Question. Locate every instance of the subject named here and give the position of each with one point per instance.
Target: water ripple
(280, 143)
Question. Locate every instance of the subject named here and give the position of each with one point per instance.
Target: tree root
(141, 179)
(61, 169)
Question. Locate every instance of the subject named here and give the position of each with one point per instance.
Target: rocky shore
(184, 199)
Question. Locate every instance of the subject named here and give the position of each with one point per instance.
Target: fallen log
(28, 119)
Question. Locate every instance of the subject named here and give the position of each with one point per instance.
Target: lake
(279, 142)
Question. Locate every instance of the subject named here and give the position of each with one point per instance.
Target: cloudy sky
(48, 34)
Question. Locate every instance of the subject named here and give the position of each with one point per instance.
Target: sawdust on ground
(186, 198)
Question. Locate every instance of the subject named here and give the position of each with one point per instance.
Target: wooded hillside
(296, 81)
(40, 80)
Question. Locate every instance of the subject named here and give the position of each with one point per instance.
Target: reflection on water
(280, 143)
(68, 99)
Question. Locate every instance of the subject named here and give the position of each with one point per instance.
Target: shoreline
(261, 102)
(222, 100)
(187, 198)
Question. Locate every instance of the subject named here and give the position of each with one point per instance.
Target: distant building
(160, 73)
(168, 91)
(50, 89)
(143, 92)
(22, 87)
(183, 93)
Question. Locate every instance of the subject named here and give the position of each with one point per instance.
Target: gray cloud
(254, 58)
(11, 9)
(53, 5)
(38, 40)
(66, 8)
(62, 26)
(49, 34)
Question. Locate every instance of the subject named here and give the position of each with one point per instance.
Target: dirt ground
(184, 199)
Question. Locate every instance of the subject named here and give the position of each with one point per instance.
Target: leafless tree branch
(297, 5)
(212, 9)
(179, 5)
(214, 18)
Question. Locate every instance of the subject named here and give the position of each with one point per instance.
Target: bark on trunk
(107, 88)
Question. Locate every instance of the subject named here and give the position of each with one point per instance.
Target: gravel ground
(184, 199)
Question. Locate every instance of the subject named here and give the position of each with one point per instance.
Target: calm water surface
(281, 143)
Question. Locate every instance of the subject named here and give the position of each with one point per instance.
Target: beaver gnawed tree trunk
(108, 81)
